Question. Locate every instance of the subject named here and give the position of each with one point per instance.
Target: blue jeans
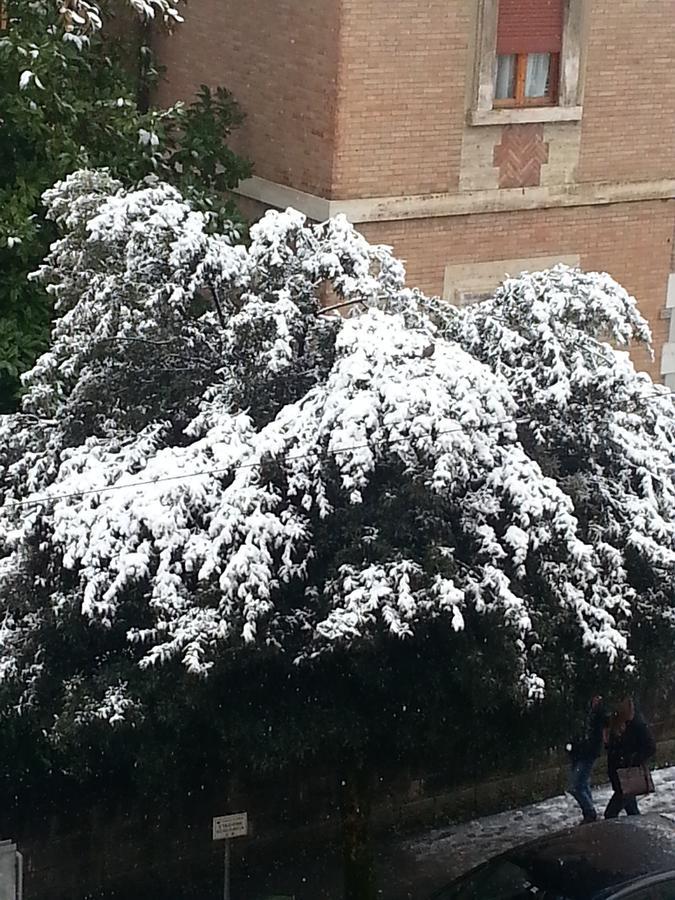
(580, 787)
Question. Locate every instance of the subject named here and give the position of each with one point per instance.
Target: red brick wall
(631, 241)
(279, 58)
(628, 131)
(401, 97)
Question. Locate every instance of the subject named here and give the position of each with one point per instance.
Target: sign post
(224, 829)
(226, 883)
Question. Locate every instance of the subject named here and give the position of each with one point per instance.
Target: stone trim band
(425, 206)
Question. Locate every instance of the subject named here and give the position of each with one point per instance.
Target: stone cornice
(467, 203)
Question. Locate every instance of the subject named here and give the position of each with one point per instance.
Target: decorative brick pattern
(521, 155)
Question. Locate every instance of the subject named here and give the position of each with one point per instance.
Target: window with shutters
(529, 61)
(529, 44)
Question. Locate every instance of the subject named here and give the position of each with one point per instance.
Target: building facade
(477, 137)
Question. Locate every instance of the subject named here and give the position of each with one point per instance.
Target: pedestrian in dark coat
(630, 744)
(583, 751)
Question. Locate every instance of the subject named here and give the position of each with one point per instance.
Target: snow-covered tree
(211, 469)
(83, 17)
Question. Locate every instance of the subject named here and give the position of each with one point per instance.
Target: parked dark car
(628, 858)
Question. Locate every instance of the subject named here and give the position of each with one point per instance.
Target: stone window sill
(525, 115)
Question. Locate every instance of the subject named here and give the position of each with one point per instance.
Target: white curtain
(506, 77)
(536, 78)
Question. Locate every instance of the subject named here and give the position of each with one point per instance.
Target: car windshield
(500, 880)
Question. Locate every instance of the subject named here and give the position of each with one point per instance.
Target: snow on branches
(82, 17)
(607, 432)
(208, 462)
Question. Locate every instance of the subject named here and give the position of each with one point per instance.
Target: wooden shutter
(530, 26)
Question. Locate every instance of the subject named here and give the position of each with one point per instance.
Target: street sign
(226, 827)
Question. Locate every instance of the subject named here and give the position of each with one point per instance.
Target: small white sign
(226, 827)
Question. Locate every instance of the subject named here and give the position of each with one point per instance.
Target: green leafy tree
(70, 97)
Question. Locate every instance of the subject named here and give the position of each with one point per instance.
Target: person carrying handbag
(629, 747)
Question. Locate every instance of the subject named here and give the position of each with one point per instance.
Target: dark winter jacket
(587, 746)
(632, 748)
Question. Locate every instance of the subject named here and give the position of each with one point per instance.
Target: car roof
(592, 861)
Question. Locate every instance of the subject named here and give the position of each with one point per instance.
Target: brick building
(478, 137)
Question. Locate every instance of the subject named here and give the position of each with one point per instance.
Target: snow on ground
(452, 850)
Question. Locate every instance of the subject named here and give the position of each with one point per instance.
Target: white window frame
(569, 107)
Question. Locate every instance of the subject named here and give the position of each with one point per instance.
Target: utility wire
(290, 457)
